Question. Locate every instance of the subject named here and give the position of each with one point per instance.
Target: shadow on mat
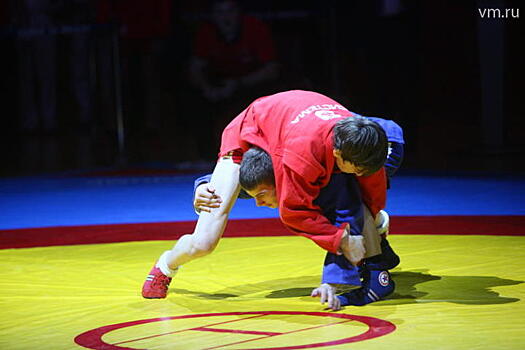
(431, 288)
(411, 287)
(217, 296)
(472, 290)
(261, 287)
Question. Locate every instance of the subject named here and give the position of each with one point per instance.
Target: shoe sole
(154, 297)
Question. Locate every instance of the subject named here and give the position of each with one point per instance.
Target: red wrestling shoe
(156, 284)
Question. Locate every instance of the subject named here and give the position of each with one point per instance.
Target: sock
(163, 265)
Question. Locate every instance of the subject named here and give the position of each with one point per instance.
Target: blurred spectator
(234, 61)
(79, 14)
(4, 13)
(37, 83)
(36, 65)
(390, 40)
(143, 26)
(231, 53)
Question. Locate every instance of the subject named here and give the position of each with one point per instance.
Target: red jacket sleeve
(301, 216)
(373, 190)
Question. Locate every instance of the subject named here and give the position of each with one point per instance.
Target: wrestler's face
(264, 195)
(345, 166)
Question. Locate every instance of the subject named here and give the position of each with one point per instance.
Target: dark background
(451, 79)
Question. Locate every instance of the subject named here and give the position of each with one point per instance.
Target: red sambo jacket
(295, 128)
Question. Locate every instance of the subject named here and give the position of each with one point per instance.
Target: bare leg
(210, 226)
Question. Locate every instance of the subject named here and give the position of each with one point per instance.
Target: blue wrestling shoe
(376, 286)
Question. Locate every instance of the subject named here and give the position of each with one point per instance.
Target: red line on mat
(184, 330)
(240, 331)
(510, 225)
(271, 335)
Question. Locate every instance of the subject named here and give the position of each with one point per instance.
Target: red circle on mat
(376, 328)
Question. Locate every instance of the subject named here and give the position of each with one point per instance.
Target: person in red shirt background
(140, 21)
(309, 137)
(234, 51)
(234, 61)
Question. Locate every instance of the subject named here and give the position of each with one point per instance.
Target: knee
(202, 247)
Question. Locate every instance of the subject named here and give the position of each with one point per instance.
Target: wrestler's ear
(337, 153)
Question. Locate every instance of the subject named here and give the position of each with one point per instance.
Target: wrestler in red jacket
(305, 134)
(295, 128)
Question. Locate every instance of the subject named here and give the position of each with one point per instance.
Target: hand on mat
(327, 294)
(352, 247)
(205, 198)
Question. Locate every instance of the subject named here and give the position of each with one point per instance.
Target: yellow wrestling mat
(453, 292)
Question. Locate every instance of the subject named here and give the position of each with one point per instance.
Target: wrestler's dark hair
(361, 142)
(256, 169)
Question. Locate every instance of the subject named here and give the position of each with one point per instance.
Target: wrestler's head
(360, 146)
(257, 179)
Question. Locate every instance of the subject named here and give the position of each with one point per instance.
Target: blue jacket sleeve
(394, 158)
(207, 178)
(394, 134)
(201, 180)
